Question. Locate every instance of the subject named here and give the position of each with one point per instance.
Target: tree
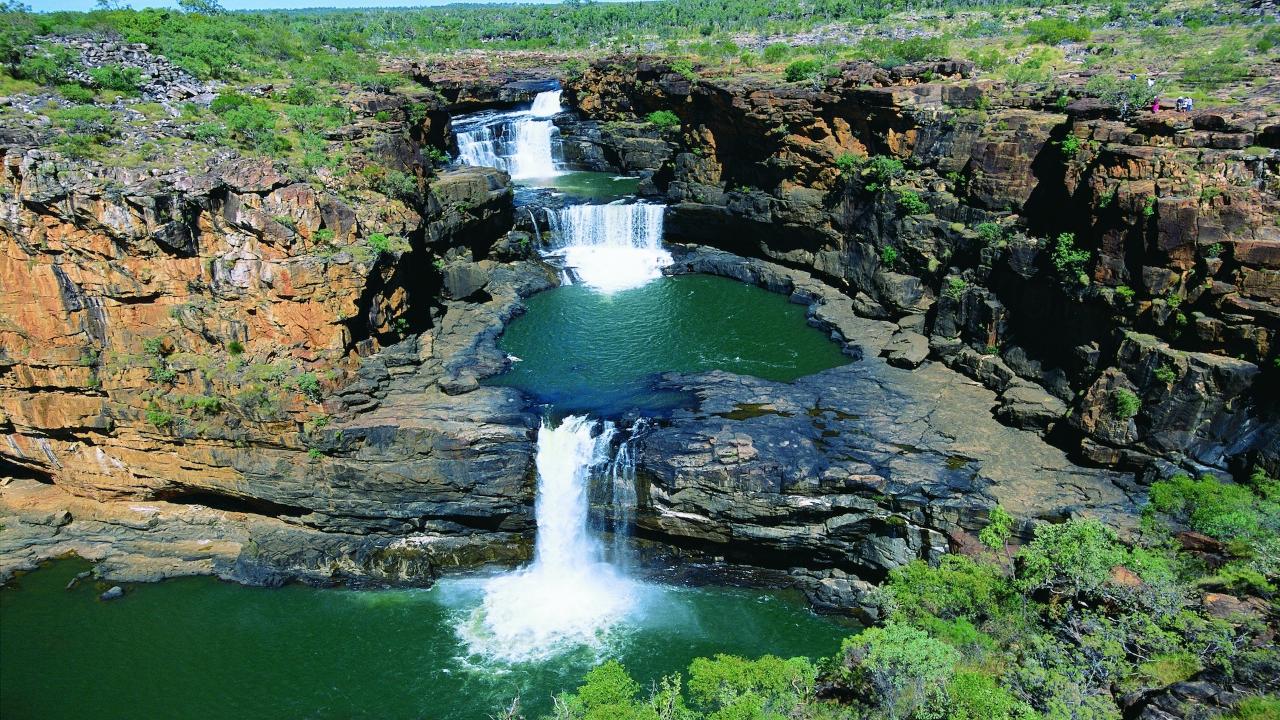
(202, 7)
(904, 666)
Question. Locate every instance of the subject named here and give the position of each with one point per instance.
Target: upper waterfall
(610, 247)
(525, 143)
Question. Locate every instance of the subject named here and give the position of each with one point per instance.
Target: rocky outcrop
(226, 354)
(961, 242)
(478, 80)
(841, 476)
(159, 80)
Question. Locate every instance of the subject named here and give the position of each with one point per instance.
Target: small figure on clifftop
(1155, 105)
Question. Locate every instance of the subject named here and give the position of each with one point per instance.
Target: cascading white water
(546, 104)
(523, 143)
(611, 247)
(622, 493)
(568, 596)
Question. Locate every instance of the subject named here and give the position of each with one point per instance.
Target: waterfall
(546, 104)
(524, 143)
(611, 247)
(622, 493)
(568, 596)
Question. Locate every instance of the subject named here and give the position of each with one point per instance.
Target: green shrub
(1123, 404)
(776, 52)
(203, 404)
(86, 119)
(888, 256)
(977, 696)
(999, 529)
(1069, 261)
(1220, 510)
(684, 68)
(1072, 558)
(159, 418)
(77, 146)
(955, 288)
(1223, 65)
(383, 244)
(1125, 293)
(227, 101)
(663, 119)
(957, 588)
(47, 65)
(730, 687)
(990, 233)
(846, 163)
(76, 93)
(235, 348)
(117, 77)
(1214, 250)
(1265, 707)
(314, 118)
(880, 172)
(910, 203)
(209, 132)
(309, 385)
(1052, 31)
(1122, 93)
(1166, 374)
(399, 185)
(382, 116)
(807, 69)
(1070, 146)
(904, 667)
(255, 124)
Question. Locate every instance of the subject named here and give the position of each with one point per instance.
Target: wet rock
(114, 593)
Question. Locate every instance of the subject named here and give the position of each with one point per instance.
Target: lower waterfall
(568, 596)
(610, 247)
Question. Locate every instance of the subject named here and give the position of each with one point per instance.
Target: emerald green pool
(200, 648)
(587, 185)
(585, 351)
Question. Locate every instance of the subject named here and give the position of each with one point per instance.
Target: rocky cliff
(1113, 280)
(256, 372)
(226, 365)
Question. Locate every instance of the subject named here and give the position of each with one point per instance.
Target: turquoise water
(583, 351)
(585, 185)
(200, 648)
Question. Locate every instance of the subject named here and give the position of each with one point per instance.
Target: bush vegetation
(1077, 617)
(663, 119)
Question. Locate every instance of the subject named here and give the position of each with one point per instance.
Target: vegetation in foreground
(1072, 626)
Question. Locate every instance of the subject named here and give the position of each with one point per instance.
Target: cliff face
(1174, 300)
(214, 366)
(231, 355)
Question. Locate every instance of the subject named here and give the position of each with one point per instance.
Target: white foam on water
(568, 597)
(524, 143)
(611, 247)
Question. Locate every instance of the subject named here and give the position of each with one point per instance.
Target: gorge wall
(1176, 303)
(229, 367)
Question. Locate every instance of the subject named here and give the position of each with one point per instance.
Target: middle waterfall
(610, 247)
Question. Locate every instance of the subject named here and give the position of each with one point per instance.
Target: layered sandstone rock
(1177, 212)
